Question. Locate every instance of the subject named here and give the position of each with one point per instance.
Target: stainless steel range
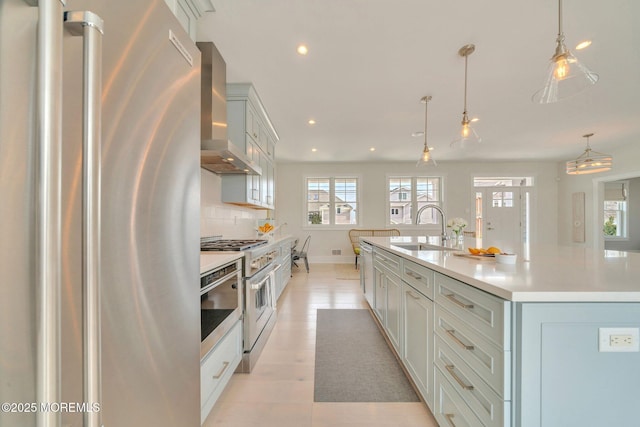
(259, 291)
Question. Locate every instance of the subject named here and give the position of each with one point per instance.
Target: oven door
(220, 309)
(259, 305)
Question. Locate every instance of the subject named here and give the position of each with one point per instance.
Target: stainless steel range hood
(217, 153)
(222, 156)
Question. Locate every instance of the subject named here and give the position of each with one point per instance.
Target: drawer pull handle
(412, 295)
(450, 368)
(451, 333)
(453, 299)
(225, 365)
(415, 276)
(449, 418)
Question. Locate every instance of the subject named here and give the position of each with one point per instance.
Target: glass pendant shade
(589, 162)
(426, 159)
(467, 132)
(566, 76)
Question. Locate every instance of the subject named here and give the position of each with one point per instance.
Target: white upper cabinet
(188, 12)
(251, 130)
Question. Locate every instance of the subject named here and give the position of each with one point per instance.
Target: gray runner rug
(353, 361)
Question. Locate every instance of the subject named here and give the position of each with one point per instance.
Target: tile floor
(279, 391)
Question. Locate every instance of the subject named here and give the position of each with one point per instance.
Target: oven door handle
(258, 286)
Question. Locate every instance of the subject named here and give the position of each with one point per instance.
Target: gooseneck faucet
(443, 223)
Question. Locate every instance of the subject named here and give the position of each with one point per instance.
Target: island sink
(421, 247)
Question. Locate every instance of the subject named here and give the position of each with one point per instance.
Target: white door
(502, 218)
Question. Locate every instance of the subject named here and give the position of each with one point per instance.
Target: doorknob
(490, 228)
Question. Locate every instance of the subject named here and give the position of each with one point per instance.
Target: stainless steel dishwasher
(366, 272)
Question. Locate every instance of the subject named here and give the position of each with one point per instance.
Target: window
(332, 201)
(615, 210)
(406, 195)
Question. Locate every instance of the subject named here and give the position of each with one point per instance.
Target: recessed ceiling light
(583, 44)
(372, 149)
(314, 149)
(311, 122)
(302, 49)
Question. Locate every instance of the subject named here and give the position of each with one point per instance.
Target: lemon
(493, 250)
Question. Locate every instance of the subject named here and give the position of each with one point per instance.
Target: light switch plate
(619, 340)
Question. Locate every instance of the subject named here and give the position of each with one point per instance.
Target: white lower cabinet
(418, 340)
(449, 408)
(454, 340)
(393, 324)
(217, 367)
(380, 294)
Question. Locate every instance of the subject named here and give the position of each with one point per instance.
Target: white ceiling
(371, 61)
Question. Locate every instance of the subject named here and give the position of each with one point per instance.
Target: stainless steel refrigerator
(99, 215)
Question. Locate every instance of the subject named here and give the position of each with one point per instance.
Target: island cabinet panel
(562, 377)
(480, 354)
(450, 408)
(418, 340)
(473, 348)
(485, 403)
(487, 314)
(388, 298)
(393, 324)
(418, 276)
(380, 294)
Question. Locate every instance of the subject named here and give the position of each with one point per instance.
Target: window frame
(625, 216)
(414, 200)
(332, 202)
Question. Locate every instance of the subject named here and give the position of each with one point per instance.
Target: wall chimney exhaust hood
(217, 153)
(222, 156)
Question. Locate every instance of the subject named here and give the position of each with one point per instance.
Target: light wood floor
(279, 391)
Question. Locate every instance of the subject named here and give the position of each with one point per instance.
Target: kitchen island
(549, 341)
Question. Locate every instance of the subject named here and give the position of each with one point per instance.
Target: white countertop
(212, 259)
(545, 274)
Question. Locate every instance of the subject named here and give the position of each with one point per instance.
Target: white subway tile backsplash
(217, 218)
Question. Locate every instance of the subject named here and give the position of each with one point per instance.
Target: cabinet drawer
(418, 276)
(482, 400)
(487, 360)
(387, 260)
(449, 409)
(217, 367)
(484, 312)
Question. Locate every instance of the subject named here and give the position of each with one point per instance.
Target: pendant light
(425, 158)
(467, 133)
(589, 162)
(566, 76)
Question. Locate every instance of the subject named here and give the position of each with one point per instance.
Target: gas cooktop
(230, 245)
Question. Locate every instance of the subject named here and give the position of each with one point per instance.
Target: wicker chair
(355, 234)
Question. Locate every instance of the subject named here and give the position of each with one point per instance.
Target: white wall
(222, 219)
(626, 165)
(458, 197)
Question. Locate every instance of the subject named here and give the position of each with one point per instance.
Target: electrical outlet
(336, 252)
(619, 339)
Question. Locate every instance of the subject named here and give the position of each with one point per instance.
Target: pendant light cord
(559, 18)
(426, 106)
(466, 58)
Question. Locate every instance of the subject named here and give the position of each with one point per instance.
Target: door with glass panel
(501, 217)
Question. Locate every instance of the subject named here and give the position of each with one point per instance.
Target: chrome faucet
(443, 224)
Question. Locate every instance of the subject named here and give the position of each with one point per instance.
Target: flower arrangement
(456, 225)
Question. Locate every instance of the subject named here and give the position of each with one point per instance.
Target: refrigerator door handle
(90, 27)
(48, 207)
